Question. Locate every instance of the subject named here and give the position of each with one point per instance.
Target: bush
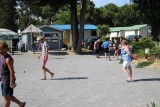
(145, 63)
(141, 53)
(155, 50)
(142, 44)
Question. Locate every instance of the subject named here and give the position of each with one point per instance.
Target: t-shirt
(106, 44)
(43, 47)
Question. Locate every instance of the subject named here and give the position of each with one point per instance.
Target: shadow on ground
(57, 58)
(147, 79)
(16, 54)
(101, 53)
(58, 53)
(71, 78)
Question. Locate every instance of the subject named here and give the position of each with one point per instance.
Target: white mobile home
(143, 30)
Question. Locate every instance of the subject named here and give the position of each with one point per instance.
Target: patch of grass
(145, 63)
(84, 50)
(121, 61)
(152, 104)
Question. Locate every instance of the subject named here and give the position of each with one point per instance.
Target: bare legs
(128, 70)
(8, 99)
(116, 54)
(108, 56)
(44, 73)
(97, 55)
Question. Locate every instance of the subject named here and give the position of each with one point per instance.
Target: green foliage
(63, 16)
(141, 53)
(107, 13)
(121, 61)
(145, 63)
(149, 10)
(59, 12)
(128, 15)
(142, 44)
(152, 104)
(139, 47)
(8, 15)
(103, 30)
(155, 50)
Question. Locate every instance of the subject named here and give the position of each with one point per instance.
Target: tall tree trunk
(155, 32)
(49, 21)
(29, 17)
(74, 25)
(82, 22)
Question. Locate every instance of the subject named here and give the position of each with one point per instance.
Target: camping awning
(7, 34)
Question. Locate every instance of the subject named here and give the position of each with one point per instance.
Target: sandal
(129, 80)
(52, 75)
(23, 104)
(43, 79)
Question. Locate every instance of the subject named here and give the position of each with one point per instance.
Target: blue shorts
(6, 90)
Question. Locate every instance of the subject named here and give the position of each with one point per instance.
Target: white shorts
(126, 63)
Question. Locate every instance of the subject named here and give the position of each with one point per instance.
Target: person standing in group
(127, 57)
(106, 46)
(44, 54)
(97, 47)
(7, 76)
(116, 51)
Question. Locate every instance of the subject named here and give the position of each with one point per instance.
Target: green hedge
(142, 44)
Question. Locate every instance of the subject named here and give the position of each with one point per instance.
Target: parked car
(90, 42)
(133, 37)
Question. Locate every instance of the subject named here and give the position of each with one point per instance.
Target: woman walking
(127, 58)
(44, 54)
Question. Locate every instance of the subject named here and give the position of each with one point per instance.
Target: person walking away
(7, 77)
(44, 54)
(106, 45)
(127, 58)
(97, 47)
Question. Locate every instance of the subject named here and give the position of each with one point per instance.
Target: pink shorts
(44, 60)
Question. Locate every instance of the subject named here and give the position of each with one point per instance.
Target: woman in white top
(44, 54)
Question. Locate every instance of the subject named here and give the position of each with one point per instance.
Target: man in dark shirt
(7, 76)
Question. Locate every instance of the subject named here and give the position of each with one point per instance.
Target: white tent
(32, 29)
(29, 31)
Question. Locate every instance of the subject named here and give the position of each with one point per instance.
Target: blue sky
(99, 3)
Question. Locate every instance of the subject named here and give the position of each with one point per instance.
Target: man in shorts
(44, 54)
(7, 76)
(97, 47)
(106, 45)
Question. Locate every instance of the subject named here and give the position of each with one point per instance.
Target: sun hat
(39, 38)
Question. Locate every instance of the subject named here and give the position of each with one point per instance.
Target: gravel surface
(83, 81)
